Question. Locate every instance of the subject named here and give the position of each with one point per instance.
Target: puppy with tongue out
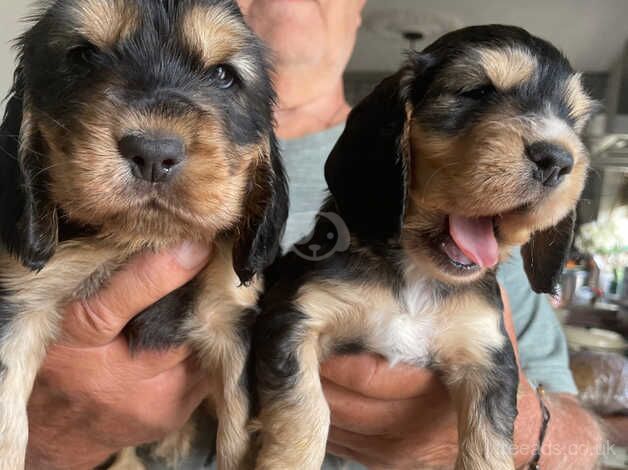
(471, 149)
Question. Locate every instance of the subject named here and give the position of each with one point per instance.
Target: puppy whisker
(45, 169)
(54, 121)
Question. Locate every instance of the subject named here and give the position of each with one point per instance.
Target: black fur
(247, 379)
(500, 401)
(107, 463)
(28, 226)
(546, 87)
(545, 254)
(276, 331)
(292, 270)
(145, 66)
(366, 182)
(349, 348)
(276, 340)
(160, 325)
(257, 244)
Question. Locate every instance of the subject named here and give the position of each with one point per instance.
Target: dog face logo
(330, 236)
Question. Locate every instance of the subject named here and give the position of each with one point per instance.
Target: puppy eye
(222, 77)
(83, 54)
(478, 93)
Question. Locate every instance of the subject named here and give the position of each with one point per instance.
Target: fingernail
(191, 255)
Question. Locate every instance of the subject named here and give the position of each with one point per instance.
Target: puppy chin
(516, 228)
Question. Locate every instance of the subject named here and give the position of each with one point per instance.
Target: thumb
(148, 277)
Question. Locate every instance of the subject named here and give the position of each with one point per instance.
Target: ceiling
(590, 32)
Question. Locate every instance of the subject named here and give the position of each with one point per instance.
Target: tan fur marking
(214, 33)
(508, 67)
(105, 22)
(454, 175)
(294, 430)
(337, 311)
(94, 186)
(127, 459)
(213, 332)
(580, 105)
(477, 440)
(177, 445)
(469, 332)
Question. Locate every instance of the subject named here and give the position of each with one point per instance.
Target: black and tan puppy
(133, 125)
(470, 149)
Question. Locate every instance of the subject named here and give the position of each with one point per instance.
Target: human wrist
(527, 425)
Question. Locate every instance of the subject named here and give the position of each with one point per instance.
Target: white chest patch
(405, 335)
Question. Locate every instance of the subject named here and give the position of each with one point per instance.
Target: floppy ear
(367, 170)
(545, 254)
(266, 213)
(28, 219)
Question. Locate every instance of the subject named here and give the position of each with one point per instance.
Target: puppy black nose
(154, 159)
(552, 162)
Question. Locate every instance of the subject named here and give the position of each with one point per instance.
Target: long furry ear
(28, 219)
(545, 254)
(266, 211)
(367, 171)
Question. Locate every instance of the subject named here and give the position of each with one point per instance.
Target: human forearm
(527, 425)
(573, 438)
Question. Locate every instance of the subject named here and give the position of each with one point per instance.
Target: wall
(11, 12)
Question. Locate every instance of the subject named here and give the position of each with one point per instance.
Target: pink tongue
(475, 238)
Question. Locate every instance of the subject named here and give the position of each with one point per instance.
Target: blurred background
(593, 304)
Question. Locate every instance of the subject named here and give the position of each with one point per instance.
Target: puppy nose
(552, 162)
(154, 159)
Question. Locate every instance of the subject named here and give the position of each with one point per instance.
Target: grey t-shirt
(542, 346)
(304, 160)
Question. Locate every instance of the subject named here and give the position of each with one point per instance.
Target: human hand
(402, 417)
(91, 397)
(383, 417)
